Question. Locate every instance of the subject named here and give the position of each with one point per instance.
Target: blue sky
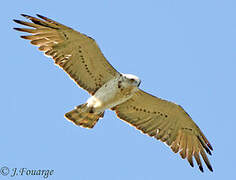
(183, 51)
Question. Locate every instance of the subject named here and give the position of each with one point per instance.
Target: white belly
(110, 95)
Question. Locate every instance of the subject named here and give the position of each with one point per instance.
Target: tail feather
(84, 116)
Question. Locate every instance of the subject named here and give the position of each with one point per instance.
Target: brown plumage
(80, 57)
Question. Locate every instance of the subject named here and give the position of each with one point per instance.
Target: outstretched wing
(167, 122)
(76, 53)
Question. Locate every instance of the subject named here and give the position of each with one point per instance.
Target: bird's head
(132, 79)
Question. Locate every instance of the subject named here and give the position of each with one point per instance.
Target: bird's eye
(132, 80)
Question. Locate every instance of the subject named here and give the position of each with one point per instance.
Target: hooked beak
(139, 83)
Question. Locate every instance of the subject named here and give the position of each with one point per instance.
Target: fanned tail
(83, 116)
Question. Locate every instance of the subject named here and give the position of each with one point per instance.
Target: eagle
(81, 58)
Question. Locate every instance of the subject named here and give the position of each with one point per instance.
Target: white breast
(109, 95)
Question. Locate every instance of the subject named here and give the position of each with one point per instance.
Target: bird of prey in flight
(80, 57)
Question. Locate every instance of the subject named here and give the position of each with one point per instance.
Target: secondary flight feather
(80, 57)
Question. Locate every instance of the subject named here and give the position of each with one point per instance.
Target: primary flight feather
(80, 57)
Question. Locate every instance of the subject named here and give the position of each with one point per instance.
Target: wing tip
(210, 168)
(209, 145)
(21, 22)
(191, 164)
(208, 151)
(31, 17)
(24, 37)
(25, 15)
(16, 21)
(201, 168)
(40, 16)
(17, 29)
